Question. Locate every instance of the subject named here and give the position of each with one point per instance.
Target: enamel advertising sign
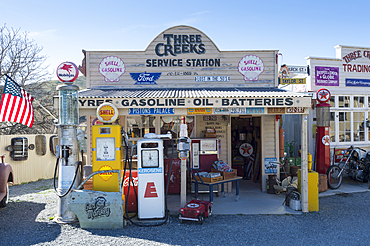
(67, 72)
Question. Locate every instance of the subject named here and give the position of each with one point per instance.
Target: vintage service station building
(231, 96)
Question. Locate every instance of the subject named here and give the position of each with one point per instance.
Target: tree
(21, 59)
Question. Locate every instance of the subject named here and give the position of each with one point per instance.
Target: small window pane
(344, 127)
(332, 101)
(358, 126)
(358, 102)
(343, 101)
(138, 126)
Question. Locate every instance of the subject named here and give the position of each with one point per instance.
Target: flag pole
(46, 110)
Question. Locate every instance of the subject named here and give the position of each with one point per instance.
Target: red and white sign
(150, 190)
(251, 67)
(325, 140)
(112, 67)
(67, 72)
(246, 149)
(323, 95)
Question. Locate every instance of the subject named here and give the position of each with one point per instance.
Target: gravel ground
(343, 219)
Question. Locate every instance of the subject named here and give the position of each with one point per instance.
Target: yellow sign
(105, 176)
(199, 111)
(290, 81)
(107, 113)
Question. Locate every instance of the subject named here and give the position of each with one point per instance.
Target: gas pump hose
(74, 178)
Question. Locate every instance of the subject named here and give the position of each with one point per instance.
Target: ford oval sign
(67, 72)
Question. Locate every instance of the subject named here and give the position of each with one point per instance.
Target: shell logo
(112, 67)
(107, 113)
(251, 67)
(105, 176)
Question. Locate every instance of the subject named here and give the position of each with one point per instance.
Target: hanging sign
(246, 149)
(291, 81)
(297, 69)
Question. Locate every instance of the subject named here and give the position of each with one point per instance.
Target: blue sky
(296, 28)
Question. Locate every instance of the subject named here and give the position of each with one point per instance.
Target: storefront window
(332, 102)
(358, 102)
(358, 126)
(138, 126)
(344, 126)
(344, 101)
(172, 124)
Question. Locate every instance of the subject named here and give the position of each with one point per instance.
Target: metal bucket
(289, 190)
(295, 201)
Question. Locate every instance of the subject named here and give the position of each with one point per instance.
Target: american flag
(16, 104)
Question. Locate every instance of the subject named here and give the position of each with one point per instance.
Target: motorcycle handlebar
(357, 148)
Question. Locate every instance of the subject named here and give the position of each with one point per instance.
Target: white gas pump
(151, 192)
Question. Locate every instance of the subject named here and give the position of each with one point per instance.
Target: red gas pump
(322, 131)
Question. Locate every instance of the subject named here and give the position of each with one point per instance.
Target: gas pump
(67, 150)
(151, 192)
(322, 130)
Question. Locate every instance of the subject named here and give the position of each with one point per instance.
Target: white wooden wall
(270, 143)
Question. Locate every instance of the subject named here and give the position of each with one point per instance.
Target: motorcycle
(351, 164)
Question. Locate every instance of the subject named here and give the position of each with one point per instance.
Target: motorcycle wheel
(334, 179)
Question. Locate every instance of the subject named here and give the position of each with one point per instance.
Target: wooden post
(304, 165)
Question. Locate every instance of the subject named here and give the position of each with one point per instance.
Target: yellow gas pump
(106, 149)
(107, 155)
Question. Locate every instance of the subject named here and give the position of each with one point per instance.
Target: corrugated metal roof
(188, 93)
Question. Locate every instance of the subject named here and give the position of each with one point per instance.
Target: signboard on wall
(292, 81)
(181, 55)
(327, 76)
(297, 69)
(235, 105)
(358, 82)
(271, 165)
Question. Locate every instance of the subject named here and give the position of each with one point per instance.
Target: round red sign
(323, 95)
(67, 72)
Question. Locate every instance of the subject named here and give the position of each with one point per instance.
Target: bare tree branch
(21, 59)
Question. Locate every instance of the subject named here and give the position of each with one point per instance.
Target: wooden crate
(210, 180)
(323, 183)
(210, 135)
(226, 175)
